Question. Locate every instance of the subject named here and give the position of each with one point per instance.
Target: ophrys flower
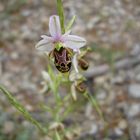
(60, 44)
(48, 43)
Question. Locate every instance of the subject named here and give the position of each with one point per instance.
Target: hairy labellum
(62, 59)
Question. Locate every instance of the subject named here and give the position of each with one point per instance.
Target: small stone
(88, 110)
(138, 129)
(101, 95)
(118, 80)
(122, 124)
(8, 127)
(136, 50)
(118, 131)
(137, 70)
(26, 13)
(138, 78)
(130, 75)
(29, 107)
(133, 110)
(100, 80)
(94, 129)
(137, 73)
(134, 90)
(1, 7)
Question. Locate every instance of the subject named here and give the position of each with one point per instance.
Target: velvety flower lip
(48, 42)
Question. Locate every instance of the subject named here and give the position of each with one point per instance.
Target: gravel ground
(110, 24)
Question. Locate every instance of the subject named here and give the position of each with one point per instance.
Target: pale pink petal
(75, 63)
(54, 26)
(74, 42)
(45, 36)
(45, 44)
(73, 92)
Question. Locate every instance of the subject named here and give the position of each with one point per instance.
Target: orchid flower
(48, 43)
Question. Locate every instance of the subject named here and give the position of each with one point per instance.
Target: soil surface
(112, 30)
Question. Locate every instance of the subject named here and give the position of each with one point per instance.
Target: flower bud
(81, 87)
(83, 64)
(56, 126)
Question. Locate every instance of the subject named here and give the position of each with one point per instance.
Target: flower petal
(73, 92)
(74, 42)
(54, 26)
(45, 44)
(75, 63)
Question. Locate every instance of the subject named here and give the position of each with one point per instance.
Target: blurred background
(112, 29)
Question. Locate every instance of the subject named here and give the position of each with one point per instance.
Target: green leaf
(68, 27)
(21, 109)
(57, 136)
(46, 108)
(94, 102)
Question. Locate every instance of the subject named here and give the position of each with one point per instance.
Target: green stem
(60, 11)
(95, 104)
(57, 136)
(22, 110)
